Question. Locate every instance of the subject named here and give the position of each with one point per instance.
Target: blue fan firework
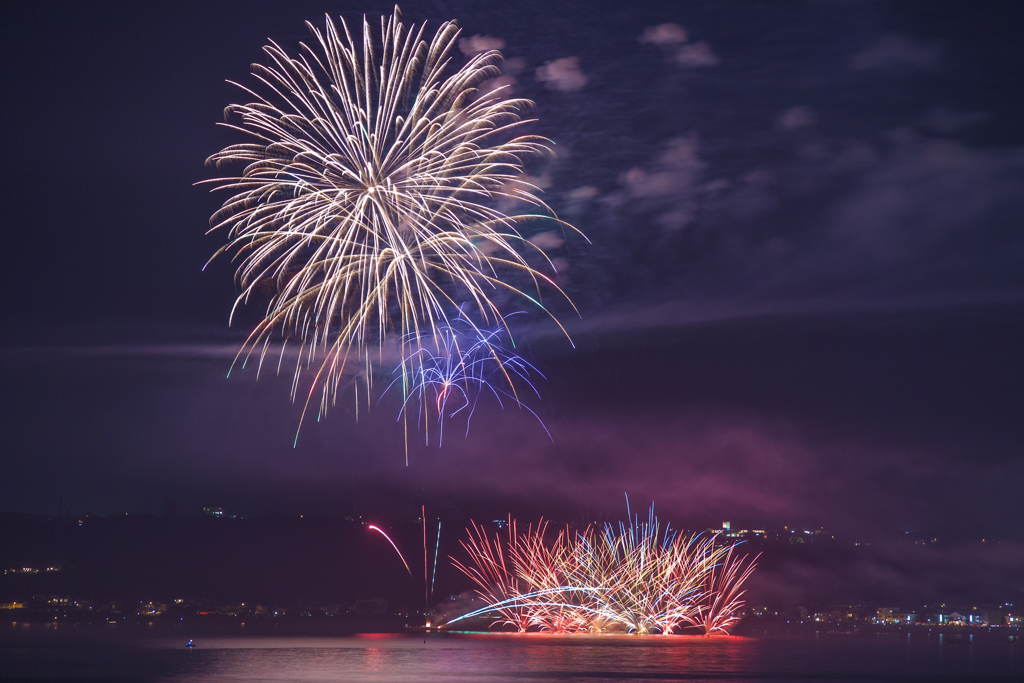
(449, 372)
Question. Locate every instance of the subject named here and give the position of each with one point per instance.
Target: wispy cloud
(944, 120)
(674, 42)
(695, 55)
(635, 317)
(477, 44)
(664, 35)
(898, 52)
(667, 187)
(564, 75)
(796, 118)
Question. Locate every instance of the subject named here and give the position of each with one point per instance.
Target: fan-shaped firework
(636, 578)
(495, 574)
(466, 363)
(721, 595)
(369, 189)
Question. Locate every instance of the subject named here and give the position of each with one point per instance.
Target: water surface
(495, 658)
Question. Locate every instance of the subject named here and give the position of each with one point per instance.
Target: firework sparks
(496, 580)
(637, 577)
(721, 595)
(468, 362)
(368, 193)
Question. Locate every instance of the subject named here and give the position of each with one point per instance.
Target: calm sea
(495, 658)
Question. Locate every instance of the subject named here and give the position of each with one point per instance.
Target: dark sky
(803, 301)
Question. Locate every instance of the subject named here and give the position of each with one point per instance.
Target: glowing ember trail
(376, 528)
(437, 548)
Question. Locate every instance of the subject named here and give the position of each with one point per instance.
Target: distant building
(893, 615)
(978, 618)
(884, 615)
(152, 608)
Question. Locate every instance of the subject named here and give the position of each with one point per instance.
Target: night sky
(802, 303)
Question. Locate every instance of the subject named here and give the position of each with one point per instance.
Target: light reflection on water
(466, 658)
(498, 658)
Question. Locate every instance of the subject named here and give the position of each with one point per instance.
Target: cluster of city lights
(634, 578)
(30, 570)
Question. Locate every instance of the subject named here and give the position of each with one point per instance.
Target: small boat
(190, 644)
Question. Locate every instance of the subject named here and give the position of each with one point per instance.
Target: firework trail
(437, 548)
(367, 194)
(636, 577)
(374, 527)
(467, 363)
(426, 583)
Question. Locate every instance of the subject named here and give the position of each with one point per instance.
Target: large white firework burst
(367, 203)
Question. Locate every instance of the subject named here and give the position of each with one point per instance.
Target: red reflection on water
(374, 659)
(622, 654)
(597, 638)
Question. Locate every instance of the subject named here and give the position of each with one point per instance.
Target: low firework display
(634, 578)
